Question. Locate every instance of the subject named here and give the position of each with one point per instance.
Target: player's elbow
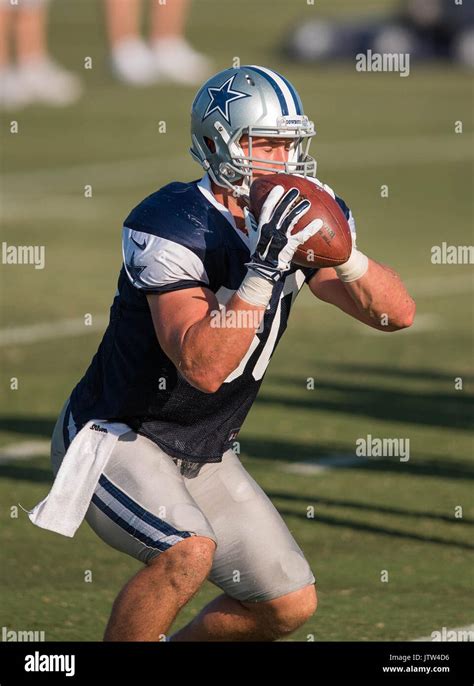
(209, 385)
(405, 317)
(204, 382)
(199, 372)
(410, 315)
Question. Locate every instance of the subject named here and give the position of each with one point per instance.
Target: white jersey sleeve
(155, 264)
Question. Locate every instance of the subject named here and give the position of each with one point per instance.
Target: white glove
(272, 245)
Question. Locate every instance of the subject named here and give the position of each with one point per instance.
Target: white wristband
(354, 268)
(255, 290)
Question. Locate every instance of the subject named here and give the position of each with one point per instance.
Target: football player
(173, 493)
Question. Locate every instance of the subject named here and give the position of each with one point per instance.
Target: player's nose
(280, 154)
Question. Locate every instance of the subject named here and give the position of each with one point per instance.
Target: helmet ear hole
(210, 144)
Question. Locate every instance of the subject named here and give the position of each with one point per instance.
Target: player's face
(268, 150)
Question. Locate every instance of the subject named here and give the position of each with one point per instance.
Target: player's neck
(225, 197)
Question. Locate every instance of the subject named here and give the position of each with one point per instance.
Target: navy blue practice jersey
(179, 237)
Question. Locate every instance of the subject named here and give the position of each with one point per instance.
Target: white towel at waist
(66, 504)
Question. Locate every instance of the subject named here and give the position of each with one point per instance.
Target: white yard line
(398, 151)
(423, 322)
(441, 285)
(56, 206)
(374, 152)
(101, 175)
(323, 464)
(62, 328)
(24, 450)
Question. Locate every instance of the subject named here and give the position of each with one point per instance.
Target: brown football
(331, 245)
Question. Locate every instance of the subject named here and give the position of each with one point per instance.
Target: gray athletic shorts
(146, 501)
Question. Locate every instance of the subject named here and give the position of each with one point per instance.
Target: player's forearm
(215, 345)
(381, 295)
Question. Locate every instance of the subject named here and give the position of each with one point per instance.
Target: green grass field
(382, 514)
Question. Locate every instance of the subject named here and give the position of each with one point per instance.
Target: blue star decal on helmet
(135, 269)
(222, 97)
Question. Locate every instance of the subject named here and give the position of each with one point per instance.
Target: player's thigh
(257, 557)
(140, 505)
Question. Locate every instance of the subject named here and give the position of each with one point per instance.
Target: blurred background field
(370, 515)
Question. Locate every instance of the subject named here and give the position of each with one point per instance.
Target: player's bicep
(173, 278)
(175, 311)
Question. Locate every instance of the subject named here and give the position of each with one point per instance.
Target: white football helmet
(255, 101)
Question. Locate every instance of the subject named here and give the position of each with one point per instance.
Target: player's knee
(290, 612)
(187, 564)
